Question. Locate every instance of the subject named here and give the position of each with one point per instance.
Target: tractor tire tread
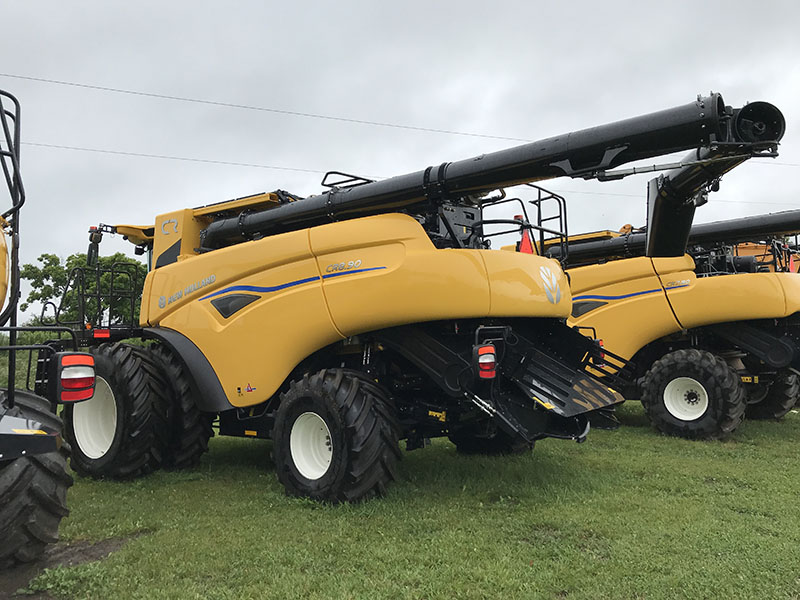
(33, 493)
(726, 395)
(779, 400)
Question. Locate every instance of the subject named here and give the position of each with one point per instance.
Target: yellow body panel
(136, 234)
(5, 272)
(740, 297)
(177, 233)
(319, 285)
(255, 202)
(636, 310)
(590, 236)
(674, 299)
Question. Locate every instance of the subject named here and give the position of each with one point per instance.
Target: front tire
(190, 428)
(336, 437)
(122, 431)
(780, 398)
(33, 492)
(693, 394)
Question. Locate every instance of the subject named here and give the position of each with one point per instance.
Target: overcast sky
(516, 69)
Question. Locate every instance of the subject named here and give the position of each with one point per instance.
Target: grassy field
(629, 514)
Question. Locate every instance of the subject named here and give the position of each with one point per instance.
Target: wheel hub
(685, 399)
(311, 445)
(94, 421)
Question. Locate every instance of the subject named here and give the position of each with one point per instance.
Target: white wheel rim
(685, 398)
(311, 445)
(94, 421)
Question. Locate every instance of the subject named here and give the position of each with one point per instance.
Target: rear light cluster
(602, 354)
(72, 376)
(485, 361)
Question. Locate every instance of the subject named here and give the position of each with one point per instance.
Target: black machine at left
(33, 470)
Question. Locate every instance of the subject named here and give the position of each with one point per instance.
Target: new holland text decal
(163, 301)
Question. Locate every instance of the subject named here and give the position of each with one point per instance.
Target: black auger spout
(755, 228)
(588, 153)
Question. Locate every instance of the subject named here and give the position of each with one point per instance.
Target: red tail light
(602, 354)
(72, 376)
(485, 361)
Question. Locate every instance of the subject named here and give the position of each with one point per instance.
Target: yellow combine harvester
(713, 334)
(340, 323)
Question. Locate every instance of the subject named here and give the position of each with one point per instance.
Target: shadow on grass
(631, 414)
(62, 554)
(228, 453)
(439, 472)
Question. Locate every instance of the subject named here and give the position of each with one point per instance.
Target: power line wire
(283, 111)
(166, 157)
(289, 112)
(262, 108)
(299, 170)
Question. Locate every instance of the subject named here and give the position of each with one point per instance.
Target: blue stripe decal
(597, 297)
(283, 286)
(253, 288)
(351, 272)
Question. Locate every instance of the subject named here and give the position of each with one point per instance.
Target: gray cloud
(528, 70)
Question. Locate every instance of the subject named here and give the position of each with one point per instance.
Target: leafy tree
(56, 284)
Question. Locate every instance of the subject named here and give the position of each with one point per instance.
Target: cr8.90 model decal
(343, 266)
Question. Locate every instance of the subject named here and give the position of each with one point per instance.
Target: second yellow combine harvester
(341, 323)
(713, 333)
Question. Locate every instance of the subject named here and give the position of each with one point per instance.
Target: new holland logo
(551, 287)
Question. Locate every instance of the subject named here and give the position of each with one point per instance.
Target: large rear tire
(780, 398)
(693, 394)
(336, 437)
(190, 428)
(33, 492)
(122, 432)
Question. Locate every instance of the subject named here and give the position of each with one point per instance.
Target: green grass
(629, 514)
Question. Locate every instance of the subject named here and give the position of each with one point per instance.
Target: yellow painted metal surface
(136, 234)
(519, 285)
(316, 286)
(590, 236)
(255, 202)
(739, 297)
(181, 228)
(636, 310)
(186, 224)
(647, 299)
(5, 271)
(253, 350)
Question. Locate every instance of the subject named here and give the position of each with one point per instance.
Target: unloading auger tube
(733, 231)
(588, 153)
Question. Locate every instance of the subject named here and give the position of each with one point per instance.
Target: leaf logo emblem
(551, 287)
